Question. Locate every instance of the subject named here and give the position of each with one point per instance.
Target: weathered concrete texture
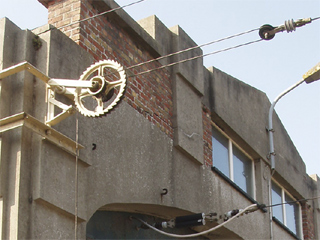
(15, 184)
(50, 223)
(16, 96)
(188, 119)
(279, 233)
(225, 197)
(262, 176)
(247, 125)
(161, 34)
(27, 163)
(17, 46)
(241, 106)
(57, 179)
(241, 111)
(131, 162)
(187, 85)
(192, 71)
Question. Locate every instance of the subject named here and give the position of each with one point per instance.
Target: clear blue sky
(270, 66)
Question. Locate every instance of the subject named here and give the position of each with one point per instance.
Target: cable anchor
(267, 32)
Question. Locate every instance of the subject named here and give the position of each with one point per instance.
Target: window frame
(284, 192)
(231, 145)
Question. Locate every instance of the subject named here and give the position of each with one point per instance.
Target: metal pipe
(270, 203)
(311, 76)
(271, 155)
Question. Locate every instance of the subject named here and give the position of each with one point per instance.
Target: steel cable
(241, 212)
(193, 58)
(103, 13)
(191, 48)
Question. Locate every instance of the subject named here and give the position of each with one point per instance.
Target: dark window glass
(276, 199)
(220, 152)
(292, 214)
(242, 171)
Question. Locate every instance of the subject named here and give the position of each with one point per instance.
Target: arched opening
(124, 225)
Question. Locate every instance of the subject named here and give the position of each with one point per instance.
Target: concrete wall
(134, 157)
(243, 112)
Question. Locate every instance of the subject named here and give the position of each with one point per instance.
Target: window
(232, 161)
(289, 213)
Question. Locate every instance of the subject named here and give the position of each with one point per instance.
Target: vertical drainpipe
(270, 126)
(311, 76)
(270, 202)
(271, 155)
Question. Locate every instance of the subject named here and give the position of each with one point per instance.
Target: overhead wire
(193, 58)
(195, 47)
(94, 16)
(174, 53)
(248, 209)
(290, 202)
(191, 48)
(316, 18)
(171, 54)
(103, 13)
(241, 212)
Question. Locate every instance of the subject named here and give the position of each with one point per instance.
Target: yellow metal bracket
(48, 133)
(51, 119)
(21, 67)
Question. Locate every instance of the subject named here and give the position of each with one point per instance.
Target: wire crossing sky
(270, 66)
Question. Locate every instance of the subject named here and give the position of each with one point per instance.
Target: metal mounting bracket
(52, 135)
(51, 119)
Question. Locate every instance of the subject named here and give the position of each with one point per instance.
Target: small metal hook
(94, 146)
(165, 192)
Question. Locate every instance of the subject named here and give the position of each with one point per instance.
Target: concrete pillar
(187, 93)
(16, 96)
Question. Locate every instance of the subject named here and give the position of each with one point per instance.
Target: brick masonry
(150, 93)
(307, 222)
(207, 136)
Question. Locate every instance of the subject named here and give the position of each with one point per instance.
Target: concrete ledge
(188, 120)
(161, 34)
(58, 210)
(54, 181)
(53, 136)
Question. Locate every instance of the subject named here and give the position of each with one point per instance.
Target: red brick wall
(62, 13)
(307, 222)
(150, 93)
(207, 136)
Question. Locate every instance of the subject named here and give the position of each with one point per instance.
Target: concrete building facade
(183, 139)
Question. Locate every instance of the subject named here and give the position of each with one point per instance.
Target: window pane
(242, 168)
(220, 152)
(276, 199)
(292, 214)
